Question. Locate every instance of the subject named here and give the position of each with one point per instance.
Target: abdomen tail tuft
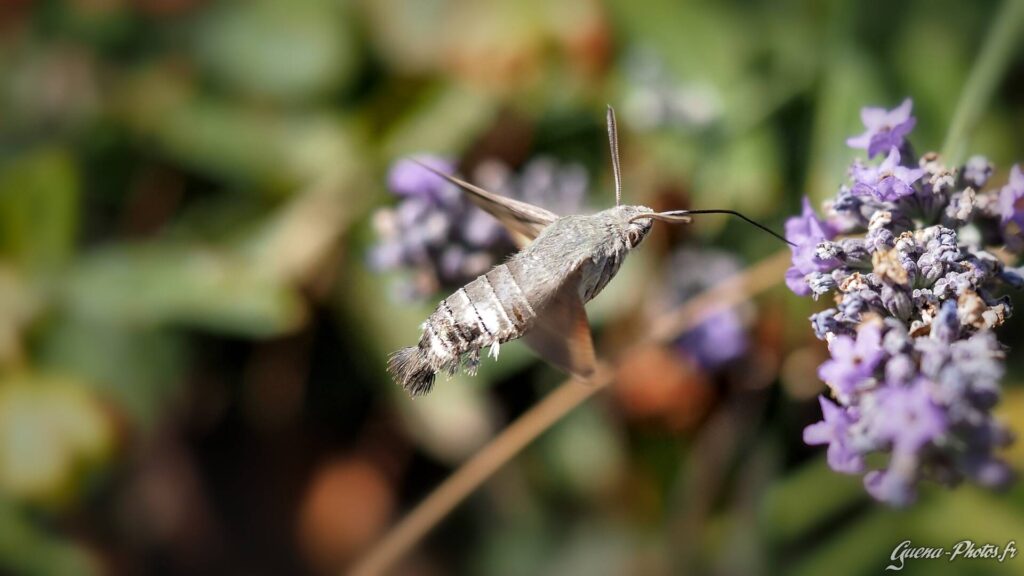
(410, 367)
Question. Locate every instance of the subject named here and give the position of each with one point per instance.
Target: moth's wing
(523, 220)
(561, 334)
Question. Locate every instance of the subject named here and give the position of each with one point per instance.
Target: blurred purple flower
(887, 182)
(408, 179)
(721, 338)
(885, 129)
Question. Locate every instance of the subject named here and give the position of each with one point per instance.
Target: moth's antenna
(680, 217)
(613, 143)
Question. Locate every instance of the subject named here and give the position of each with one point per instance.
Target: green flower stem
(1003, 38)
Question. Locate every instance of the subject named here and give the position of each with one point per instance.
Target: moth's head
(638, 220)
(635, 229)
(683, 217)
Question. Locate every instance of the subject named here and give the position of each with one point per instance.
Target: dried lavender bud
(849, 207)
(960, 209)
(820, 283)
(915, 365)
(977, 171)
(1011, 210)
(825, 323)
(897, 302)
(854, 253)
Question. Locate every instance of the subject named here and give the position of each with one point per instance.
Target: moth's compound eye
(634, 237)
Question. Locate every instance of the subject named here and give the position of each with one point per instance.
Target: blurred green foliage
(189, 334)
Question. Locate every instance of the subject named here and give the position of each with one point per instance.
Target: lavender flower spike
(915, 362)
(885, 128)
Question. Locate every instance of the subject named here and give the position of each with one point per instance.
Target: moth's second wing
(523, 220)
(561, 334)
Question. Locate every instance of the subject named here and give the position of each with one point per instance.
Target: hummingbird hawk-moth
(539, 292)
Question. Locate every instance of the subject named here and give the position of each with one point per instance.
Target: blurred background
(206, 253)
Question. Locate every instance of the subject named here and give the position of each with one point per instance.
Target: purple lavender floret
(834, 430)
(437, 235)
(915, 362)
(853, 361)
(806, 232)
(887, 182)
(907, 417)
(885, 129)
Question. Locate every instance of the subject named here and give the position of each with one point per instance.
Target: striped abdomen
(486, 312)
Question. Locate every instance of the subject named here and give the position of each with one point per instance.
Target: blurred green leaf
(446, 121)
(981, 516)
(850, 82)
(288, 51)
(986, 75)
(138, 369)
(860, 547)
(512, 549)
(404, 33)
(279, 148)
(807, 498)
(593, 547)
(742, 173)
(19, 304)
(50, 429)
(931, 36)
(295, 241)
(29, 550)
(994, 137)
(146, 285)
(253, 146)
(584, 454)
(39, 208)
(697, 40)
(454, 421)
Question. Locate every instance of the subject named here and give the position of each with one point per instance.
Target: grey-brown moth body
(538, 294)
